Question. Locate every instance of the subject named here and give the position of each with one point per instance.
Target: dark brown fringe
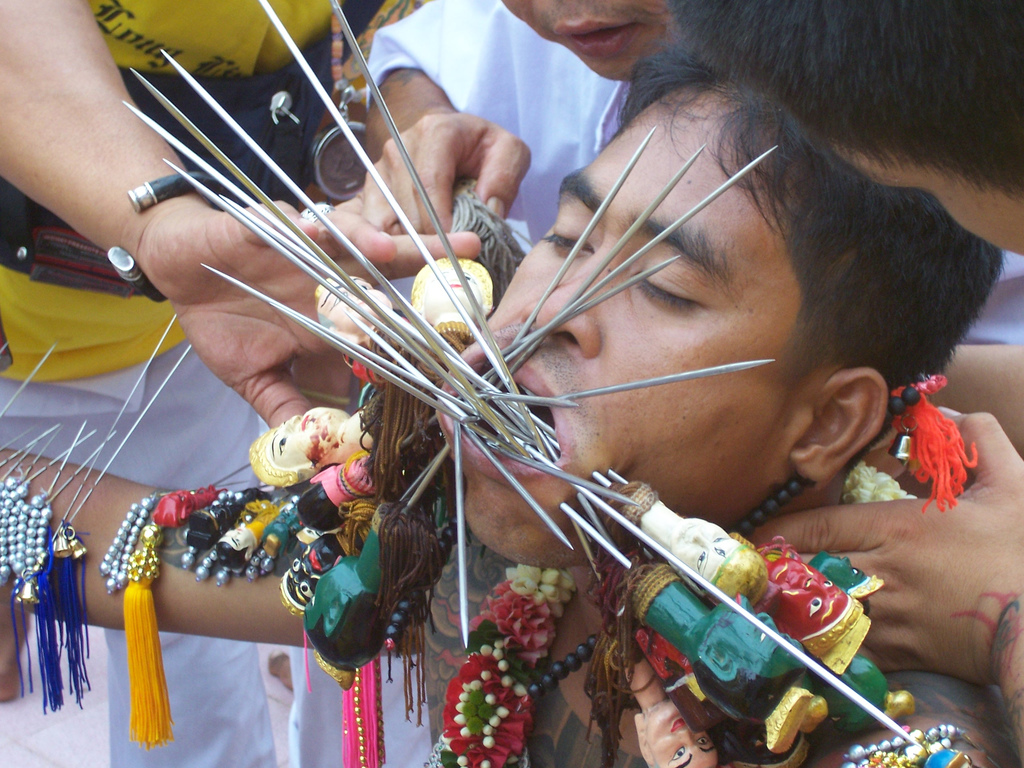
(616, 652)
(412, 649)
(410, 556)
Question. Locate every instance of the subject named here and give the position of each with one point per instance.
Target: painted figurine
(334, 314)
(666, 740)
(431, 300)
(306, 444)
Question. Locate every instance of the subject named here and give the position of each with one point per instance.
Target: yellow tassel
(150, 723)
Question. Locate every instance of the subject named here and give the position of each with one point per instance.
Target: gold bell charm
(900, 448)
(28, 594)
(61, 545)
(78, 549)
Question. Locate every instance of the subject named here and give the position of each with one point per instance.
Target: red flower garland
(488, 715)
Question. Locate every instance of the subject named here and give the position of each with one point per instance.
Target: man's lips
(599, 43)
(528, 380)
(473, 456)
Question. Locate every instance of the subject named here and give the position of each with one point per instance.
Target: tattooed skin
(1005, 651)
(1003, 622)
(174, 546)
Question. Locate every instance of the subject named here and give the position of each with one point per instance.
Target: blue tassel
(16, 606)
(71, 618)
(48, 641)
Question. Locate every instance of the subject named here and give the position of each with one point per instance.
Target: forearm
(987, 378)
(69, 142)
(244, 611)
(409, 94)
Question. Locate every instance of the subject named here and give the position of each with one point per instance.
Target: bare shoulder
(977, 711)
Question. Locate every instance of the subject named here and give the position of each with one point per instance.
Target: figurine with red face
(808, 607)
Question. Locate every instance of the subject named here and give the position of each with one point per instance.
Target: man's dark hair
(888, 279)
(936, 83)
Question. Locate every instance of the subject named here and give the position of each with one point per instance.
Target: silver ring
(321, 209)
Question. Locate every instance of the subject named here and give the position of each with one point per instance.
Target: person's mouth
(485, 437)
(594, 42)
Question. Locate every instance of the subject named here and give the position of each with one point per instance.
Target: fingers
(999, 464)
(445, 147)
(395, 256)
(409, 260)
(502, 171)
(846, 529)
(435, 145)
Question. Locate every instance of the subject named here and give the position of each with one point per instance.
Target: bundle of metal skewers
(409, 358)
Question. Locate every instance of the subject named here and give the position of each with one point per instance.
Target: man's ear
(848, 414)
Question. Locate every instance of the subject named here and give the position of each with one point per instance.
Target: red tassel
(937, 452)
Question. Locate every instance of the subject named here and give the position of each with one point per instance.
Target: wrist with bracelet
(144, 197)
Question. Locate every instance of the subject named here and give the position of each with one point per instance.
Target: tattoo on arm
(174, 546)
(938, 699)
(1006, 665)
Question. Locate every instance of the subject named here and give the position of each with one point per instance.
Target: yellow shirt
(98, 333)
(227, 38)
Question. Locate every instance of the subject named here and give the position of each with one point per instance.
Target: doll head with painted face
(665, 739)
(431, 300)
(304, 444)
(336, 315)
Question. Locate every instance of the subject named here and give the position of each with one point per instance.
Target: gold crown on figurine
(838, 644)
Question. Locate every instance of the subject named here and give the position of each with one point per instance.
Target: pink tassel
(362, 743)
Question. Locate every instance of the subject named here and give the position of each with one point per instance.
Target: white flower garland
(865, 484)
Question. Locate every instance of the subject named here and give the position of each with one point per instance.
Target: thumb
(502, 172)
(274, 396)
(997, 458)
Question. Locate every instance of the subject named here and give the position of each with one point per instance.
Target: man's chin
(509, 527)
(543, 550)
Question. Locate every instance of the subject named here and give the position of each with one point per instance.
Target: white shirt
(1002, 320)
(491, 64)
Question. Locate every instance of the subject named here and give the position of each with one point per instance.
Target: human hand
(952, 579)
(247, 343)
(446, 146)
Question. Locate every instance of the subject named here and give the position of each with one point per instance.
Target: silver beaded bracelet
(24, 530)
(115, 562)
(931, 749)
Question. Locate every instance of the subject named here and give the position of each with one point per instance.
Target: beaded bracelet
(115, 563)
(24, 530)
(922, 749)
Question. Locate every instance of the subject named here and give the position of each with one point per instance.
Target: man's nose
(557, 320)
